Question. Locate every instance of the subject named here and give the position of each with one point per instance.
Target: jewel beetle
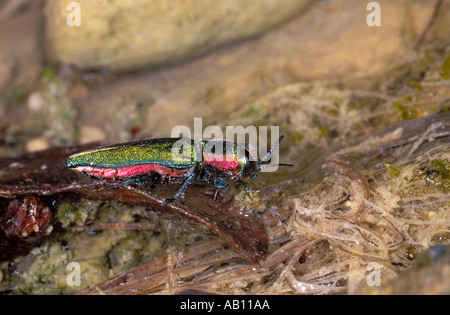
(152, 162)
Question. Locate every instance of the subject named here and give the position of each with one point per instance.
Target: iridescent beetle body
(153, 162)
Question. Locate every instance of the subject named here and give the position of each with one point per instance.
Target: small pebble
(36, 102)
(37, 144)
(91, 134)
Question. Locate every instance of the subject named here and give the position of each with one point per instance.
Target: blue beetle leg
(218, 183)
(120, 184)
(188, 181)
(191, 176)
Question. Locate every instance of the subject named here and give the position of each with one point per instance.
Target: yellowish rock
(126, 35)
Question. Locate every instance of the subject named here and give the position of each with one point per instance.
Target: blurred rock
(128, 35)
(36, 101)
(12, 8)
(37, 144)
(331, 41)
(78, 92)
(7, 66)
(429, 275)
(20, 34)
(3, 115)
(91, 134)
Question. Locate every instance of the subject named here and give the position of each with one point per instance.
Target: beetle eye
(250, 169)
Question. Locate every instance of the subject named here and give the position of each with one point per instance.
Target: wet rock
(129, 35)
(23, 221)
(25, 217)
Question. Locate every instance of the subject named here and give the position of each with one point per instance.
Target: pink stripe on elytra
(220, 162)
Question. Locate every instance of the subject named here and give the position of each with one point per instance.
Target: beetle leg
(191, 176)
(218, 183)
(120, 184)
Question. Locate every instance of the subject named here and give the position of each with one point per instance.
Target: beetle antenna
(271, 165)
(271, 149)
(267, 155)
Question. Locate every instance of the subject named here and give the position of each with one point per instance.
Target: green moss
(435, 173)
(393, 170)
(323, 131)
(68, 213)
(255, 109)
(45, 271)
(444, 108)
(295, 138)
(417, 85)
(446, 68)
(48, 73)
(15, 96)
(335, 110)
(408, 98)
(406, 112)
(440, 167)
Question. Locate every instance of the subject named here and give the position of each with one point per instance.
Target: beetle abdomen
(130, 171)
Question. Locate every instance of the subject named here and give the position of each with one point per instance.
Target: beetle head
(252, 168)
